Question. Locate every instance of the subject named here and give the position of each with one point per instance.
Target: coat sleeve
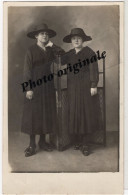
(57, 51)
(94, 72)
(27, 73)
(66, 57)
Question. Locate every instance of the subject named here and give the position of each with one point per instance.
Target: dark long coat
(39, 114)
(82, 107)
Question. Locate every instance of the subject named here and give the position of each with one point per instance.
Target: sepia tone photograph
(63, 98)
(63, 88)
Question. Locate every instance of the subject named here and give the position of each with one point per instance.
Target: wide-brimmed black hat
(39, 28)
(76, 32)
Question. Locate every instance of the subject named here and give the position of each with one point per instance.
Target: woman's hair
(41, 32)
(77, 36)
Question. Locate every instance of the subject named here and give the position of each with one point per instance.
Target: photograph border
(103, 182)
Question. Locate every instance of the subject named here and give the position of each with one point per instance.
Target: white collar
(49, 44)
(77, 50)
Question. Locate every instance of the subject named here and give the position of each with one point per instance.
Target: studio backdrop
(100, 22)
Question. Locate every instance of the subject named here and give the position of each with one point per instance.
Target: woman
(39, 115)
(82, 90)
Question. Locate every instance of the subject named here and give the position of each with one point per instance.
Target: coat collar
(49, 44)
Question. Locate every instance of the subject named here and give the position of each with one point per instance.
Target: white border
(1, 86)
(126, 99)
(126, 79)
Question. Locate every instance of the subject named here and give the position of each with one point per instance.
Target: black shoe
(85, 150)
(77, 146)
(30, 151)
(45, 146)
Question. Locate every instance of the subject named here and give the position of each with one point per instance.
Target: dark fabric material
(77, 139)
(39, 114)
(32, 141)
(82, 107)
(86, 139)
(42, 138)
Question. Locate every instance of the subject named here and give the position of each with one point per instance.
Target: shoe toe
(30, 151)
(85, 150)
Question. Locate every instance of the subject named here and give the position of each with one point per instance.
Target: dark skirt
(82, 107)
(39, 114)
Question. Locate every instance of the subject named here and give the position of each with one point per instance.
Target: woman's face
(42, 37)
(77, 41)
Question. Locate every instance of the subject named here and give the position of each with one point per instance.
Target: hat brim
(67, 39)
(50, 32)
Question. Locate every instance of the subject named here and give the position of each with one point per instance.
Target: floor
(101, 159)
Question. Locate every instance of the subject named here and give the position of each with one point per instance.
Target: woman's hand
(29, 95)
(93, 91)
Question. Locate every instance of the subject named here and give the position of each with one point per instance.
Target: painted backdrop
(100, 22)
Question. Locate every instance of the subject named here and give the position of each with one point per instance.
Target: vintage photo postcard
(63, 98)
